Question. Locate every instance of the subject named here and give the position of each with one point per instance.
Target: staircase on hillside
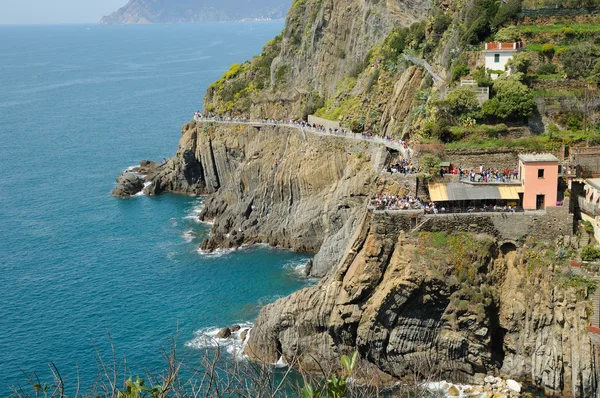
(585, 238)
(595, 317)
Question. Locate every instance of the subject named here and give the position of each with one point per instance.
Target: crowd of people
(404, 166)
(301, 124)
(489, 175)
(384, 201)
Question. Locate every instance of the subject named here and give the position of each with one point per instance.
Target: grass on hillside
(543, 142)
(537, 47)
(591, 27)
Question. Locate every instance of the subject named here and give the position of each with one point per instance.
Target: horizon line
(135, 24)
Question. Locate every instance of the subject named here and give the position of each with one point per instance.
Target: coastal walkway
(406, 152)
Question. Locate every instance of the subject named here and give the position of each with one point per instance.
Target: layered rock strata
(275, 185)
(399, 308)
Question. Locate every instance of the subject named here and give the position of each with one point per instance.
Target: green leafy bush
(508, 34)
(521, 62)
(459, 71)
(590, 253)
(589, 227)
(547, 69)
(513, 100)
(548, 50)
(337, 385)
(461, 101)
(580, 61)
(482, 77)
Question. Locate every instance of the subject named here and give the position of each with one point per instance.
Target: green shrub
(513, 100)
(589, 227)
(521, 62)
(546, 69)
(429, 161)
(461, 101)
(548, 50)
(482, 77)
(508, 34)
(459, 71)
(579, 61)
(569, 33)
(590, 253)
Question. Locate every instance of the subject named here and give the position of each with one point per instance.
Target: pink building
(539, 181)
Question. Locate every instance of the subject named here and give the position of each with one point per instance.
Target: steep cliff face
(186, 11)
(275, 185)
(459, 303)
(325, 53)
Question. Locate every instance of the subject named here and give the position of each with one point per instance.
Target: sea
(80, 270)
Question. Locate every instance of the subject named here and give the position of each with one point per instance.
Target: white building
(497, 55)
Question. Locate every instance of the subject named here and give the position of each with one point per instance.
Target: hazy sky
(56, 11)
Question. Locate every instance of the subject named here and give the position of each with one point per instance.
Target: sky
(56, 11)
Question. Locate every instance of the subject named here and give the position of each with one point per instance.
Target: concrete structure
(497, 54)
(550, 225)
(587, 160)
(539, 179)
(482, 93)
(586, 198)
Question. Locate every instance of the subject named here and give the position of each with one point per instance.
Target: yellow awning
(508, 193)
(438, 193)
(520, 189)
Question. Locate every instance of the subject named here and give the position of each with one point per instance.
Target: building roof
(540, 157)
(457, 191)
(498, 46)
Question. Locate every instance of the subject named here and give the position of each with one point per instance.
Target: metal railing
(588, 208)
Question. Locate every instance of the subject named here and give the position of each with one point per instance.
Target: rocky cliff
(450, 300)
(327, 59)
(187, 11)
(275, 185)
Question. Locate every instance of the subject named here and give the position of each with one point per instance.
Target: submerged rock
(128, 184)
(235, 328)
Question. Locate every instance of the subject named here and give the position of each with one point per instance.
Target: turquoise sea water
(78, 104)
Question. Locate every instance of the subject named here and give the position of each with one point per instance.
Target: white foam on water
(218, 252)
(189, 236)
(194, 213)
(141, 193)
(281, 363)
(297, 267)
(441, 388)
(207, 339)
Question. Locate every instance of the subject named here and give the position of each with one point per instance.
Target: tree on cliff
(513, 100)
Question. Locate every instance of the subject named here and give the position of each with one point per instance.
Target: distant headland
(191, 11)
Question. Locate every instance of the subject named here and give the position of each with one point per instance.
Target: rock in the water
(513, 385)
(235, 328)
(224, 334)
(453, 391)
(244, 334)
(128, 184)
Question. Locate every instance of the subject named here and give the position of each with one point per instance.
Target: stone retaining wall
(549, 225)
(328, 124)
(472, 159)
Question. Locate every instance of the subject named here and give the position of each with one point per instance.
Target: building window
(497, 58)
(540, 173)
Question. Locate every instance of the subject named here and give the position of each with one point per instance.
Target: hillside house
(497, 54)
